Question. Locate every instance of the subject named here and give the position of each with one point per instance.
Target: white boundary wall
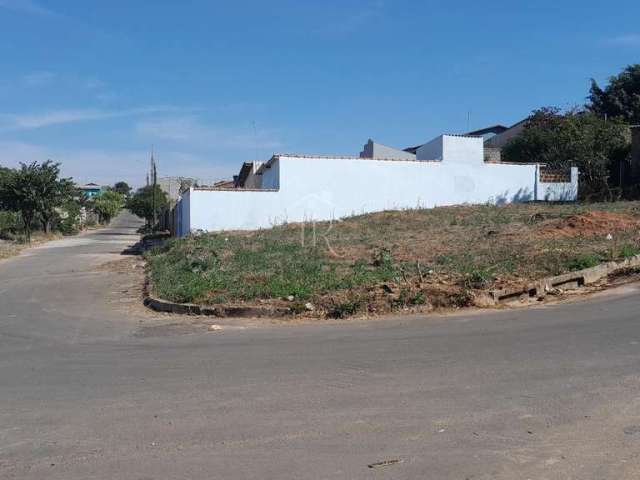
(330, 188)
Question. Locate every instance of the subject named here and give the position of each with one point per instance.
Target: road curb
(568, 281)
(161, 305)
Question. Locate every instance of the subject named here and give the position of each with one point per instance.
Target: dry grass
(398, 259)
(11, 248)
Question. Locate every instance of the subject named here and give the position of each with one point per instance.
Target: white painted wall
(454, 148)
(558, 192)
(271, 175)
(328, 188)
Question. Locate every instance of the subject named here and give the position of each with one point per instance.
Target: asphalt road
(93, 387)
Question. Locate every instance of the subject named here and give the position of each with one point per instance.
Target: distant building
(172, 185)
(379, 151)
(250, 175)
(499, 140)
(223, 184)
(494, 137)
(488, 132)
(90, 189)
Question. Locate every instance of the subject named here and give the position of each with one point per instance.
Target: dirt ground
(596, 223)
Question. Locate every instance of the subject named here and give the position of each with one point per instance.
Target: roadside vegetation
(595, 137)
(37, 204)
(381, 262)
(148, 202)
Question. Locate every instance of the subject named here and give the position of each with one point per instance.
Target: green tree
(54, 193)
(70, 217)
(35, 190)
(575, 138)
(107, 204)
(122, 188)
(141, 203)
(5, 175)
(8, 219)
(620, 98)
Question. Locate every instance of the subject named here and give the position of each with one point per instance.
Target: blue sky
(210, 84)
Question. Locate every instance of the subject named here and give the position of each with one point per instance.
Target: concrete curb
(194, 309)
(567, 281)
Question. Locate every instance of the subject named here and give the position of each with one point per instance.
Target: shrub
(344, 309)
(69, 223)
(587, 260)
(629, 250)
(9, 224)
(477, 277)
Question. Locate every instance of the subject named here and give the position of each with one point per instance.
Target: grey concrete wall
(379, 151)
(432, 150)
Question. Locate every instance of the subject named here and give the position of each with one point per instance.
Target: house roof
(492, 129)
(224, 184)
(414, 150)
(245, 170)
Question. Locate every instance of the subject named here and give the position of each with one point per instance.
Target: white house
(448, 170)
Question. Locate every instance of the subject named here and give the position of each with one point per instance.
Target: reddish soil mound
(589, 224)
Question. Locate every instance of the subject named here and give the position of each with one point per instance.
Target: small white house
(449, 170)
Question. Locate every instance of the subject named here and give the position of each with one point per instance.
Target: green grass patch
(629, 250)
(587, 260)
(214, 267)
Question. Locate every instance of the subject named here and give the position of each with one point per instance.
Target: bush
(344, 309)
(9, 224)
(583, 261)
(477, 277)
(629, 250)
(574, 139)
(69, 223)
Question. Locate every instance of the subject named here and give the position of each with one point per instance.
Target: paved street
(94, 387)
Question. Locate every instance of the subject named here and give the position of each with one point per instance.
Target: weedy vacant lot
(375, 263)
(9, 248)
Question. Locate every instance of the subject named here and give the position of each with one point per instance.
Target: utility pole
(154, 183)
(255, 139)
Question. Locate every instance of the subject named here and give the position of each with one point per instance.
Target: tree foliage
(5, 175)
(141, 203)
(35, 190)
(620, 98)
(122, 188)
(107, 204)
(573, 138)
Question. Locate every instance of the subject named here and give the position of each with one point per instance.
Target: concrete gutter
(567, 281)
(161, 305)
